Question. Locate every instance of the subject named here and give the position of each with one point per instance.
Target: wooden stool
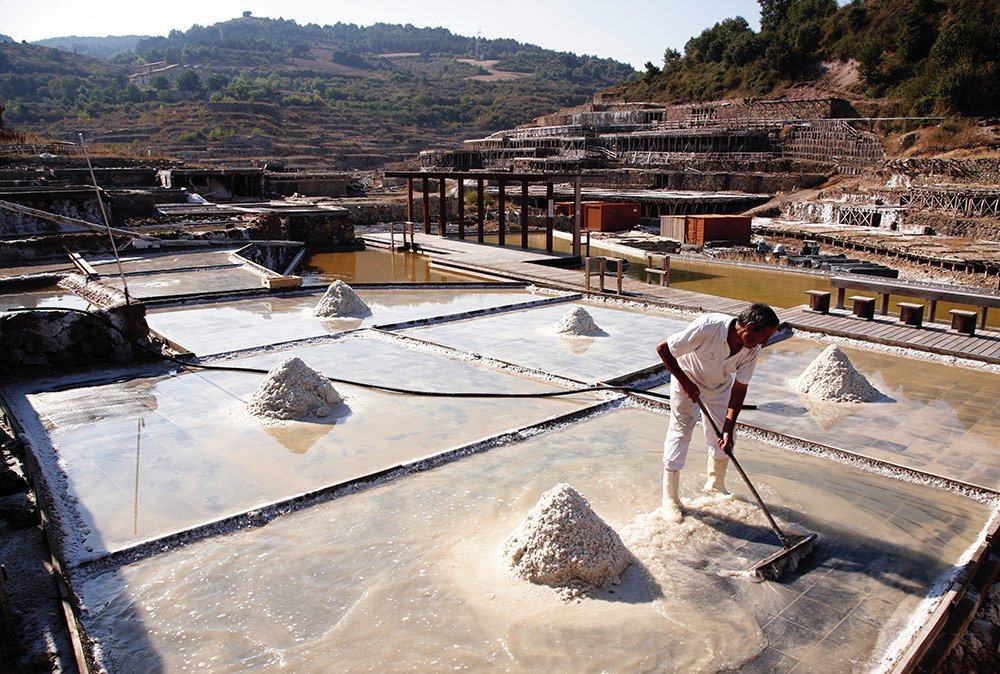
(963, 321)
(864, 307)
(911, 313)
(819, 301)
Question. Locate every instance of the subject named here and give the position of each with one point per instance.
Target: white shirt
(702, 350)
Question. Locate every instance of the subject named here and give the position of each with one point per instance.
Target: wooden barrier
(982, 300)
(658, 265)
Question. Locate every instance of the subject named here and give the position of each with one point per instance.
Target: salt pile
(293, 391)
(564, 544)
(578, 322)
(340, 300)
(832, 377)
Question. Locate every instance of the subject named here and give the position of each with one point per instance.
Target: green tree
(160, 83)
(189, 80)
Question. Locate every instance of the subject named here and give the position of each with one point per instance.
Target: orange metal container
(702, 228)
(602, 216)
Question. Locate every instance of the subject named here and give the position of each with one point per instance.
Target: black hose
(377, 387)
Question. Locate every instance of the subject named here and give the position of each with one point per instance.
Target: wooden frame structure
(502, 179)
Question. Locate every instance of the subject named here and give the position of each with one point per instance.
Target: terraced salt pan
(408, 574)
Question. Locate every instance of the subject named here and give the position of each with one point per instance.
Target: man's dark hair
(759, 315)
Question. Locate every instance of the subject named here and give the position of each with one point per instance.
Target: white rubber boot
(716, 482)
(672, 509)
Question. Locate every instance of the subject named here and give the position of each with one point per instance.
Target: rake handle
(739, 468)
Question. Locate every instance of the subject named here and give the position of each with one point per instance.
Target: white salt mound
(340, 300)
(579, 323)
(832, 377)
(292, 390)
(564, 544)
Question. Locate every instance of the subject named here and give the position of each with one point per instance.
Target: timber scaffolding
(819, 131)
(978, 265)
(968, 201)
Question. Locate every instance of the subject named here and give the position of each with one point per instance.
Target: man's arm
(690, 388)
(736, 398)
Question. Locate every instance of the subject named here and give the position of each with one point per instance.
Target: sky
(632, 31)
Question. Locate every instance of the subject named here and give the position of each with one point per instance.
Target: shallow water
(152, 456)
(785, 289)
(408, 575)
(375, 265)
(220, 327)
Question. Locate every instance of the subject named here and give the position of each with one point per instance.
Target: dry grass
(952, 138)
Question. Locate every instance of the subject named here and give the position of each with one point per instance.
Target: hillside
(913, 57)
(98, 47)
(263, 89)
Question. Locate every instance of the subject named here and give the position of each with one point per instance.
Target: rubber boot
(716, 482)
(672, 509)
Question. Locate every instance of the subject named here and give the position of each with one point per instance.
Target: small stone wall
(985, 171)
(48, 247)
(58, 338)
(331, 228)
(947, 224)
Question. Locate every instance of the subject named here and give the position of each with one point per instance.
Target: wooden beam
(524, 214)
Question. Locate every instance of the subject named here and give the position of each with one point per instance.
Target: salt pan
(340, 300)
(292, 390)
(832, 377)
(578, 322)
(563, 543)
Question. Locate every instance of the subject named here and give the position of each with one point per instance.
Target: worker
(710, 360)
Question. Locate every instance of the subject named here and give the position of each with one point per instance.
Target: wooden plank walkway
(522, 265)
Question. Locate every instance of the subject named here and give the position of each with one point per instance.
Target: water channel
(778, 287)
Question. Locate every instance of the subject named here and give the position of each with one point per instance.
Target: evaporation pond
(409, 575)
(934, 417)
(626, 342)
(156, 455)
(221, 327)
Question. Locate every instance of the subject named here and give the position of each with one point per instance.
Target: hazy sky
(633, 31)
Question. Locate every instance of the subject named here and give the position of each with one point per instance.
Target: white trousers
(684, 416)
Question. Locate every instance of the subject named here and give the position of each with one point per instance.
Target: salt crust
(563, 543)
(292, 390)
(832, 377)
(577, 322)
(340, 300)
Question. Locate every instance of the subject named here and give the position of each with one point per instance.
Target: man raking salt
(711, 361)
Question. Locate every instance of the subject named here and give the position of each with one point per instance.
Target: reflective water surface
(409, 576)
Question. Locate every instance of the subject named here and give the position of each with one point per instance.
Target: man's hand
(728, 442)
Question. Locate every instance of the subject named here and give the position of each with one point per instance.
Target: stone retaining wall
(949, 225)
(60, 338)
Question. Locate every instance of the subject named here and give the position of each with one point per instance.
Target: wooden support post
(443, 204)
(461, 208)
(840, 297)
(550, 206)
(931, 310)
(982, 317)
(524, 213)
(577, 215)
(409, 199)
(427, 207)
(883, 304)
(480, 210)
(502, 213)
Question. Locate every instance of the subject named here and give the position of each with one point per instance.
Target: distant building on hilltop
(146, 73)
